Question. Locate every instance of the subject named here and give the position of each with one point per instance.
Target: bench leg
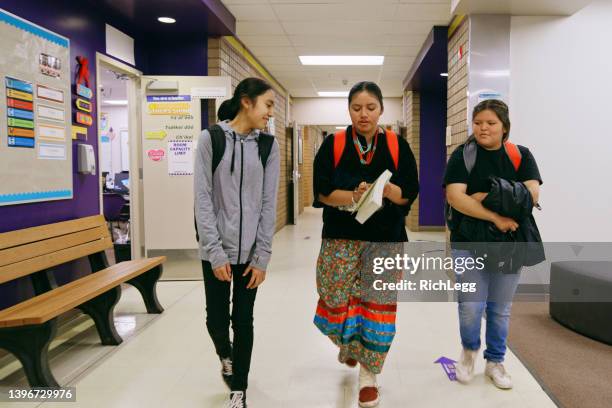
(30, 344)
(100, 309)
(146, 284)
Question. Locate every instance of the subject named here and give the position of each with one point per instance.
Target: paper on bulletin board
(180, 157)
(36, 154)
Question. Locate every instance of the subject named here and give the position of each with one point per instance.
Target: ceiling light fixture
(342, 59)
(444, 74)
(333, 94)
(167, 20)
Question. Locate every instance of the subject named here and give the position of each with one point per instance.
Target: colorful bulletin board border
(17, 198)
(8, 18)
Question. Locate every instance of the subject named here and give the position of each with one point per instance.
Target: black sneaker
(226, 371)
(237, 399)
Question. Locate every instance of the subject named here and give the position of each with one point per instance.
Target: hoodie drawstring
(233, 153)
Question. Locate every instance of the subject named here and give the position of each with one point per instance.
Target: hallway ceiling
(278, 31)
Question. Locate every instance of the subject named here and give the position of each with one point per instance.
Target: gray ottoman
(581, 297)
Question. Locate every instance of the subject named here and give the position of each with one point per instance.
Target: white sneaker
(237, 399)
(464, 370)
(497, 373)
(369, 395)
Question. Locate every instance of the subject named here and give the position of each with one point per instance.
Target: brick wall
(225, 60)
(457, 114)
(413, 125)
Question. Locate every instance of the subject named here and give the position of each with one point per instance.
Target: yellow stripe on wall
(242, 50)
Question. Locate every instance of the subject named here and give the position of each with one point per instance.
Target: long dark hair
(369, 87)
(250, 88)
(501, 111)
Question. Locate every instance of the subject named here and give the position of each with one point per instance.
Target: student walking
(236, 183)
(492, 186)
(357, 318)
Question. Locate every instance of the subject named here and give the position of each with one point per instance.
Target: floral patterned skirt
(356, 317)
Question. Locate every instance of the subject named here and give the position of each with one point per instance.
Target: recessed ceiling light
(444, 74)
(115, 102)
(167, 20)
(332, 94)
(342, 59)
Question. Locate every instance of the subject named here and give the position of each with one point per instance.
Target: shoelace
(226, 363)
(236, 401)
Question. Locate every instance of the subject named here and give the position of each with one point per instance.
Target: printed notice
(51, 151)
(180, 157)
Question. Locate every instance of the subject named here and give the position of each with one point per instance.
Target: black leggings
(218, 320)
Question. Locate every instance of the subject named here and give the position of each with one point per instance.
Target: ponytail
(228, 109)
(250, 88)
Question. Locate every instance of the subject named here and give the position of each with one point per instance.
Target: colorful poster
(176, 105)
(19, 113)
(180, 157)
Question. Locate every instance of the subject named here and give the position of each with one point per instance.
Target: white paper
(209, 92)
(180, 157)
(51, 151)
(47, 112)
(52, 132)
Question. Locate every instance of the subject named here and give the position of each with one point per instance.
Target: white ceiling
(520, 7)
(278, 31)
(112, 87)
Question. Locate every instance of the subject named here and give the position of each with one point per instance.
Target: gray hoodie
(236, 211)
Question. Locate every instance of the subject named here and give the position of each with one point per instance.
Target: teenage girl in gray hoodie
(235, 208)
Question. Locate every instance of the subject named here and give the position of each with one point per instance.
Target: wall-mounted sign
(84, 91)
(83, 105)
(50, 65)
(84, 119)
(50, 94)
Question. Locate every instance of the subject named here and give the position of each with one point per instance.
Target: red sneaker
(368, 397)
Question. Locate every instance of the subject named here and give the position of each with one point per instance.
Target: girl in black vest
(465, 192)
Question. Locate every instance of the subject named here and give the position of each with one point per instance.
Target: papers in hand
(372, 200)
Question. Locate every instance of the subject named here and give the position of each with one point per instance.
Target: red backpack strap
(514, 154)
(339, 142)
(393, 145)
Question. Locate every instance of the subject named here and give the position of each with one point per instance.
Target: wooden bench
(27, 328)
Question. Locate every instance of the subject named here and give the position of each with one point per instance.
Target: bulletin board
(35, 113)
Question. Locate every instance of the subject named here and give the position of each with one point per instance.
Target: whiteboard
(35, 113)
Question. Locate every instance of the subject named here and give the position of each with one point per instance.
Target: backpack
(470, 148)
(265, 142)
(392, 144)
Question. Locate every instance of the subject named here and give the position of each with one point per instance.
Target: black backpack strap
(217, 139)
(264, 144)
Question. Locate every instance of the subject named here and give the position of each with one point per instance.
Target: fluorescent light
(444, 74)
(115, 102)
(167, 20)
(342, 59)
(332, 94)
(340, 127)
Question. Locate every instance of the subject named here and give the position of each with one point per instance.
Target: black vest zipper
(240, 198)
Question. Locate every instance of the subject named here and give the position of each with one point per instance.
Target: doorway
(118, 155)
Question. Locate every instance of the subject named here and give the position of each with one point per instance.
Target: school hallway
(169, 360)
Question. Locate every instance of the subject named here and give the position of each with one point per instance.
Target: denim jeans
(494, 293)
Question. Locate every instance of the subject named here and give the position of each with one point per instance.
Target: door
(289, 174)
(173, 116)
(295, 174)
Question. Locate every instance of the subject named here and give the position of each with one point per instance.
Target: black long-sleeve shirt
(387, 224)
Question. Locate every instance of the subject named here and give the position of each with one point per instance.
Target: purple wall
(84, 24)
(432, 158)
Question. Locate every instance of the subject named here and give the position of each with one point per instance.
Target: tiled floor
(169, 361)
